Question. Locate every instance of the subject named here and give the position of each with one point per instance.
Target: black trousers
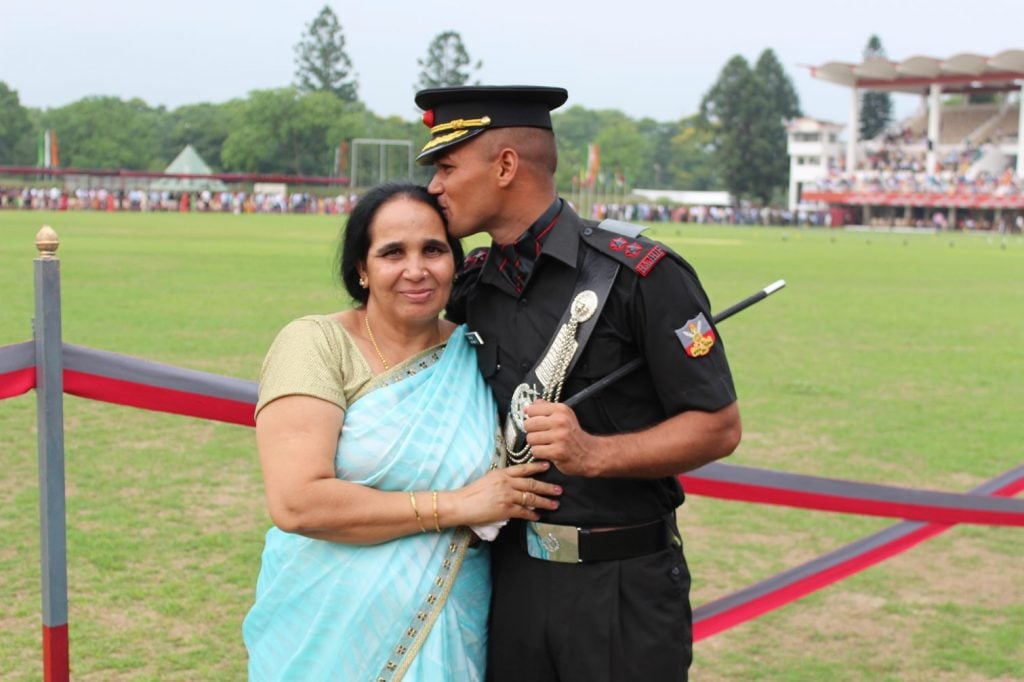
(606, 621)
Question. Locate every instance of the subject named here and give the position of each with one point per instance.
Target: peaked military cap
(455, 115)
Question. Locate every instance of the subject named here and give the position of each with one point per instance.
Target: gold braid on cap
(434, 141)
(461, 124)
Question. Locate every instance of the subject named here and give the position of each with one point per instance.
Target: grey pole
(50, 422)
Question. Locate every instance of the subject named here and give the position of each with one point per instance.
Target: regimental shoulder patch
(697, 336)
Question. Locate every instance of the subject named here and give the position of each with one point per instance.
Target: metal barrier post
(50, 421)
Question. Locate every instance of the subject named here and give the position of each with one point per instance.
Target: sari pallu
(414, 606)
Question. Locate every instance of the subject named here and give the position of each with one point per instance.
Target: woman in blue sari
(376, 436)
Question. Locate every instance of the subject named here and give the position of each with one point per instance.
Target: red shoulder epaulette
(638, 254)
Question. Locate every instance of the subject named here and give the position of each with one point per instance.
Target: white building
(813, 148)
(681, 198)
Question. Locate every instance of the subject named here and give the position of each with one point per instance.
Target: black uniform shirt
(640, 319)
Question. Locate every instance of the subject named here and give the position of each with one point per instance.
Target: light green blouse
(315, 356)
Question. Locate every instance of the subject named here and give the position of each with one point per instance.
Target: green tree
(284, 131)
(733, 111)
(744, 112)
(575, 128)
(659, 162)
(692, 164)
(321, 61)
(624, 149)
(875, 105)
(625, 145)
(777, 84)
(16, 139)
(783, 104)
(108, 132)
(205, 127)
(447, 63)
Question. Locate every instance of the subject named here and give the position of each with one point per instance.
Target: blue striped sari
(413, 608)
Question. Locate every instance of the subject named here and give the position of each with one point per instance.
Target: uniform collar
(563, 243)
(557, 242)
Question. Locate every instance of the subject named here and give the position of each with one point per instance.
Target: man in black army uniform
(598, 590)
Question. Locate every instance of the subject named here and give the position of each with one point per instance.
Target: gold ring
(524, 499)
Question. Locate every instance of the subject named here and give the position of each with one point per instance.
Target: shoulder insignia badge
(472, 264)
(650, 259)
(618, 244)
(697, 336)
(633, 250)
(476, 257)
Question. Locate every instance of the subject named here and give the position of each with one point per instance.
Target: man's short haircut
(536, 146)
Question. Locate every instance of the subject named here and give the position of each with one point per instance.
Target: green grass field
(889, 358)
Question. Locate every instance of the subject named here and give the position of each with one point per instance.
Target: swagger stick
(750, 300)
(603, 383)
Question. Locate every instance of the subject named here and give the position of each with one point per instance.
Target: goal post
(379, 160)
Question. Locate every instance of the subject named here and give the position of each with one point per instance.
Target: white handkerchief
(488, 532)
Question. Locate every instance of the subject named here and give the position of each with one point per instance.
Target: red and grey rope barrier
(17, 369)
(124, 380)
(795, 583)
(750, 484)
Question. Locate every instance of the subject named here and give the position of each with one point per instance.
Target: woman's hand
(501, 494)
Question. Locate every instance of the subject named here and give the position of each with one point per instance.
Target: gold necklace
(366, 319)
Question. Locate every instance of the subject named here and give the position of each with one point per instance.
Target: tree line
(736, 141)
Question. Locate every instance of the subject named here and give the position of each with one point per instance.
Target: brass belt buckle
(552, 542)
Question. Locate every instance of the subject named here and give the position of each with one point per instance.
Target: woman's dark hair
(355, 243)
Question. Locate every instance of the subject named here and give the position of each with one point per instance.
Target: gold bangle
(433, 498)
(412, 499)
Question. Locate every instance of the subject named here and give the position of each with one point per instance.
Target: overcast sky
(652, 58)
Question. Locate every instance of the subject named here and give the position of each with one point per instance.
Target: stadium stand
(956, 163)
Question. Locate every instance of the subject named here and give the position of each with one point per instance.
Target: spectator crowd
(102, 199)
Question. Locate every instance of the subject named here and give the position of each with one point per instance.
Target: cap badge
(697, 336)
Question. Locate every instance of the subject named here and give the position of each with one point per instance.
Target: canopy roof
(963, 72)
(188, 163)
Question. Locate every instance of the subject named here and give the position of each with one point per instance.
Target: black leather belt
(575, 544)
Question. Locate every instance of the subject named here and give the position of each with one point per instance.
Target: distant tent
(188, 162)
